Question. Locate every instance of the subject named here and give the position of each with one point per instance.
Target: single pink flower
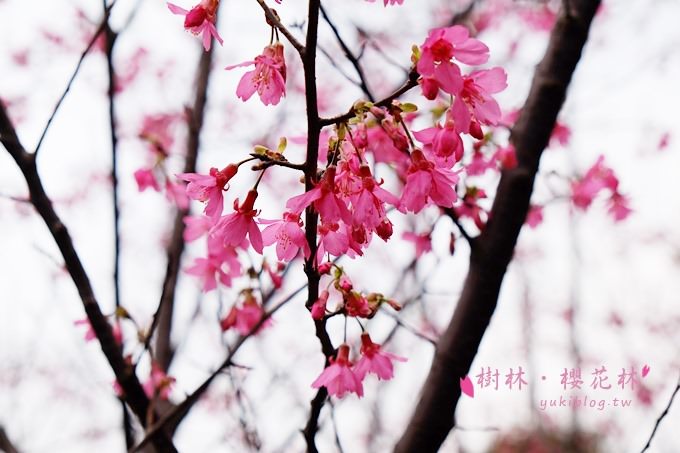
(597, 178)
(288, 235)
(475, 103)
(368, 204)
(209, 187)
(268, 78)
(356, 305)
(470, 207)
(325, 198)
(233, 228)
(338, 377)
(426, 181)
(443, 144)
(444, 44)
(145, 178)
(200, 20)
(374, 360)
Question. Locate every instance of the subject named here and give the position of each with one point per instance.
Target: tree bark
(489, 259)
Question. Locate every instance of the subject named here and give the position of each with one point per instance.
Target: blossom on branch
(268, 78)
(338, 377)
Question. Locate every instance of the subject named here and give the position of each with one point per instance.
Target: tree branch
(434, 415)
(162, 320)
(102, 26)
(177, 414)
(661, 417)
(350, 56)
(410, 83)
(275, 21)
(125, 374)
(6, 443)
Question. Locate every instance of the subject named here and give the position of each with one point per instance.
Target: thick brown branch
(434, 414)
(125, 375)
(6, 444)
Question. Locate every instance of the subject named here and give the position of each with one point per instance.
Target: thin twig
(273, 19)
(661, 417)
(410, 83)
(350, 56)
(177, 414)
(100, 29)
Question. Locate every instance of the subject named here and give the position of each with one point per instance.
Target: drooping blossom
(443, 144)
(288, 235)
(338, 377)
(425, 181)
(158, 383)
(375, 360)
(474, 104)
(506, 157)
(619, 206)
(233, 228)
(268, 78)
(209, 187)
(325, 198)
(368, 203)
(200, 20)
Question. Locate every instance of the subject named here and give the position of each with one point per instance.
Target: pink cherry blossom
(268, 78)
(176, 194)
(475, 103)
(443, 144)
(338, 377)
(288, 235)
(368, 202)
(444, 44)
(374, 360)
(145, 178)
(333, 239)
(426, 181)
(223, 266)
(200, 20)
(470, 207)
(196, 226)
(245, 317)
(158, 383)
(325, 198)
(233, 228)
(209, 187)
(506, 157)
